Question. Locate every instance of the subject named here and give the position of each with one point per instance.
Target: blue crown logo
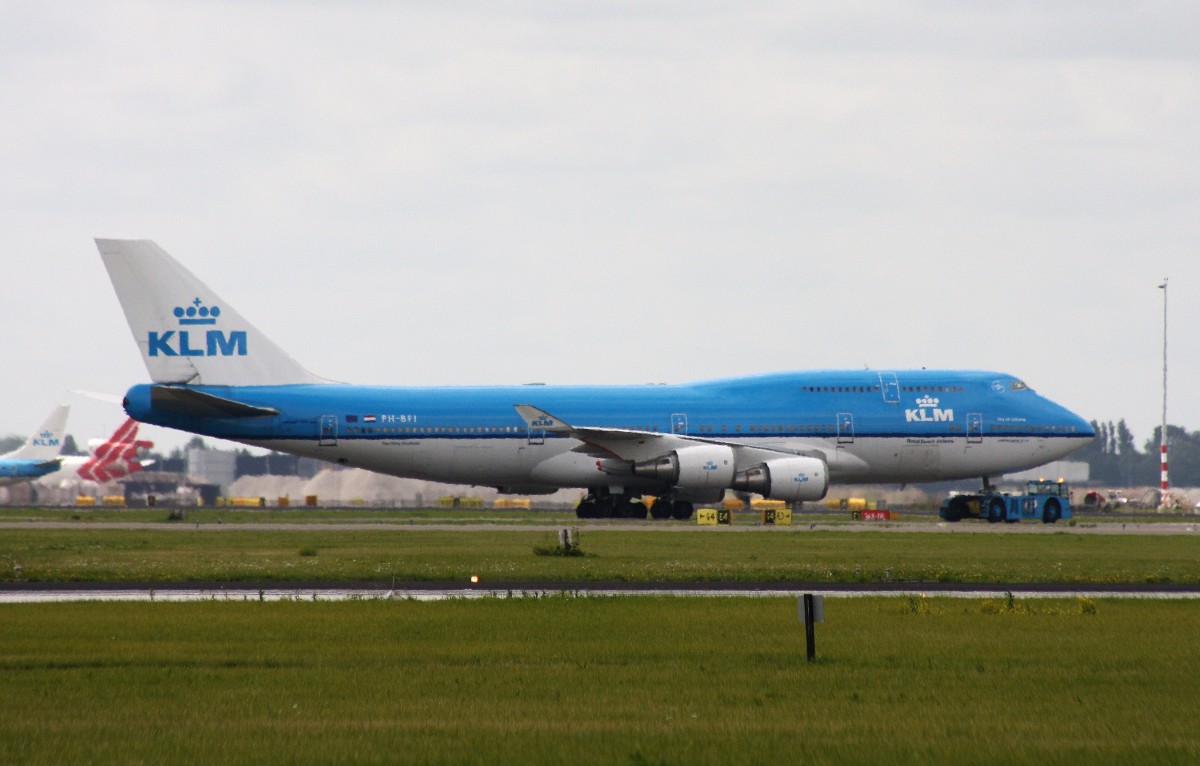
(197, 313)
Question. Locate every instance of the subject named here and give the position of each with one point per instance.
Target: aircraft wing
(636, 446)
(621, 443)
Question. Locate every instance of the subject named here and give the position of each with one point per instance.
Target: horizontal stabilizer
(98, 396)
(188, 401)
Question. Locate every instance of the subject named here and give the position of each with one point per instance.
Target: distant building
(309, 467)
(211, 466)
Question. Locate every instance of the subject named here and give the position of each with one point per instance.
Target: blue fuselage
(870, 426)
(14, 470)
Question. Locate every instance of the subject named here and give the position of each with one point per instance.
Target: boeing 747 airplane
(784, 435)
(38, 456)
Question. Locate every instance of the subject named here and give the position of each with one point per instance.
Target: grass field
(477, 515)
(600, 680)
(107, 555)
(84, 516)
(594, 680)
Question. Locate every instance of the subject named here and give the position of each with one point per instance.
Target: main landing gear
(602, 504)
(609, 506)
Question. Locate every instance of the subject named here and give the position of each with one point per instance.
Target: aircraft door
(974, 428)
(890, 387)
(329, 430)
(679, 423)
(845, 428)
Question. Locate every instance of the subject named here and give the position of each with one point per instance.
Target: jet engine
(786, 478)
(699, 467)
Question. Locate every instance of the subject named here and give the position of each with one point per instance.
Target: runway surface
(12, 593)
(19, 592)
(965, 527)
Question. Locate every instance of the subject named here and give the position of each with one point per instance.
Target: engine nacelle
(786, 478)
(700, 467)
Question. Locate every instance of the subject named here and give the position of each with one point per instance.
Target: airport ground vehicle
(1048, 501)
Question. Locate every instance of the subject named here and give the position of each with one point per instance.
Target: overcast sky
(473, 193)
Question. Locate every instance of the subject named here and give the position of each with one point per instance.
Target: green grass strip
(600, 680)
(116, 555)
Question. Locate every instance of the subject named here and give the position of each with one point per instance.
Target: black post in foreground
(813, 609)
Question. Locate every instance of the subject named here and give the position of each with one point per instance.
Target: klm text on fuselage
(928, 416)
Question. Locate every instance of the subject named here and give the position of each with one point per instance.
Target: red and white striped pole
(1163, 500)
(1165, 483)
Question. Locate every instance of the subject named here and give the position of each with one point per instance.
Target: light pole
(1162, 498)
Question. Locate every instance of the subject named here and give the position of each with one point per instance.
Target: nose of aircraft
(1084, 427)
(1078, 426)
(1078, 432)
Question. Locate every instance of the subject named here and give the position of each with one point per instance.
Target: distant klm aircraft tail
(46, 442)
(186, 332)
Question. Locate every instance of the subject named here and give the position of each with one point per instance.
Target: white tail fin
(46, 442)
(186, 333)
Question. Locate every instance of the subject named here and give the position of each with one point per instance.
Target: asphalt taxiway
(963, 527)
(424, 591)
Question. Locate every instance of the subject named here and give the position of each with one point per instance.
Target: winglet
(540, 420)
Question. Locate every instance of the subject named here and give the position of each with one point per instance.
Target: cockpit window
(1018, 385)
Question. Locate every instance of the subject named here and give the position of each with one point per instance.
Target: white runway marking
(443, 594)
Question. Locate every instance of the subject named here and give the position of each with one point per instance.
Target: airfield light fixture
(1163, 497)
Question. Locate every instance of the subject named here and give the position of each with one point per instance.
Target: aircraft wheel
(623, 509)
(586, 509)
(661, 509)
(997, 512)
(1052, 512)
(956, 510)
(606, 508)
(681, 510)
